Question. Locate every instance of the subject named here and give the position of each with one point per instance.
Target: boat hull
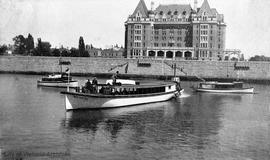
(83, 101)
(61, 84)
(244, 90)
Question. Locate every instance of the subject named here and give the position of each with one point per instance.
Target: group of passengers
(93, 87)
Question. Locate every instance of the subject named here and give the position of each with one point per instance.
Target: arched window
(188, 54)
(138, 16)
(178, 54)
(184, 13)
(152, 53)
(160, 54)
(169, 54)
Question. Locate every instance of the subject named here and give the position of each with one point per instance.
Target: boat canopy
(122, 81)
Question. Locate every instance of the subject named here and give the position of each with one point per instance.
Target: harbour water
(35, 125)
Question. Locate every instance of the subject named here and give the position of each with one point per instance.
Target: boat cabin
(217, 85)
(57, 77)
(128, 89)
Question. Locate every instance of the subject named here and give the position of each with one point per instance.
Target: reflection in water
(168, 124)
(200, 126)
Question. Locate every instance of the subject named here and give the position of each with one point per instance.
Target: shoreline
(136, 76)
(253, 72)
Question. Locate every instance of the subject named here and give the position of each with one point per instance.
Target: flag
(67, 71)
(112, 68)
(126, 68)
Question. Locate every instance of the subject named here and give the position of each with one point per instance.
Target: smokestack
(195, 5)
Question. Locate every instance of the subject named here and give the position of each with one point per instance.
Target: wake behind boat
(223, 87)
(121, 93)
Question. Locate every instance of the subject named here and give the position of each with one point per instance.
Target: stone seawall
(251, 71)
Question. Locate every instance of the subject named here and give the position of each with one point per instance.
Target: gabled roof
(205, 8)
(214, 11)
(173, 8)
(141, 7)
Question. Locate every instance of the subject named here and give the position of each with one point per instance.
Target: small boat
(120, 94)
(223, 87)
(58, 80)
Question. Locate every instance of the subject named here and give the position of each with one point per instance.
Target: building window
(137, 44)
(164, 38)
(164, 33)
(138, 38)
(178, 44)
(155, 44)
(170, 44)
(163, 44)
(156, 32)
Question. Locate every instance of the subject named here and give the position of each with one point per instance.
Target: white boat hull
(72, 84)
(80, 101)
(244, 90)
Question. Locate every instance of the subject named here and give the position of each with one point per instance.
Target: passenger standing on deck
(95, 83)
(88, 85)
(114, 77)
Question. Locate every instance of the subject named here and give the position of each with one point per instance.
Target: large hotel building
(175, 31)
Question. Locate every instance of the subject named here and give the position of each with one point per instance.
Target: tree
(259, 58)
(81, 46)
(85, 54)
(19, 45)
(3, 49)
(43, 48)
(56, 52)
(30, 44)
(74, 52)
(65, 53)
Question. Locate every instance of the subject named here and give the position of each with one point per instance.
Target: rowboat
(224, 87)
(120, 94)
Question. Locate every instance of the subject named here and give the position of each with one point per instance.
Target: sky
(101, 22)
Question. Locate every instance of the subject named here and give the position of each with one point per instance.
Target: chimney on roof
(195, 5)
(152, 5)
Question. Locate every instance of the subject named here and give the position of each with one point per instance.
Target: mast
(174, 70)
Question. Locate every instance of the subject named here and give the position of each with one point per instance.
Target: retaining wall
(256, 71)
